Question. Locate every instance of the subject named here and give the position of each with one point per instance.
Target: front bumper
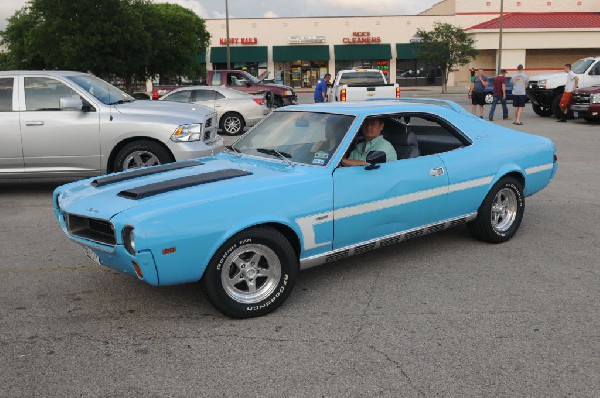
(291, 100)
(195, 149)
(540, 97)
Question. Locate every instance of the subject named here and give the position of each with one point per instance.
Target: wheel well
(517, 176)
(120, 145)
(286, 231)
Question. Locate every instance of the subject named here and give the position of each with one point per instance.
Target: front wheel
(501, 212)
(252, 273)
(540, 111)
(489, 98)
(141, 153)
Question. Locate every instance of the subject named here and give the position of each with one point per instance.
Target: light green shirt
(376, 144)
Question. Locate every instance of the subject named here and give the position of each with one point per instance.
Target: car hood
(589, 90)
(277, 86)
(83, 198)
(166, 108)
(549, 76)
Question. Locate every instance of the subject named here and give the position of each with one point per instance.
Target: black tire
(141, 153)
(543, 112)
(273, 274)
(232, 123)
(277, 103)
(497, 226)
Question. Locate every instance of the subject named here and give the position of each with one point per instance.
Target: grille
(98, 231)
(581, 98)
(207, 135)
(533, 85)
(208, 123)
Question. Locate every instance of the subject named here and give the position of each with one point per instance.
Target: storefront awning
(350, 52)
(300, 53)
(239, 54)
(406, 51)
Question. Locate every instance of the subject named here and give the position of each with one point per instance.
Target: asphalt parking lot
(443, 315)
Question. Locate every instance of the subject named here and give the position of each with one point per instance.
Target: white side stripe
(537, 169)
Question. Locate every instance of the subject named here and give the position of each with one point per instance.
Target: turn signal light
(138, 270)
(343, 95)
(397, 92)
(555, 158)
(168, 251)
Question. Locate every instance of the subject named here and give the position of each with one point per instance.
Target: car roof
(40, 72)
(375, 107)
(222, 89)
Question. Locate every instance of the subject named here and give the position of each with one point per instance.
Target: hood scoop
(100, 182)
(180, 183)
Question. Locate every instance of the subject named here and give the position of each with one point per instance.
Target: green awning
(406, 51)
(239, 54)
(350, 52)
(300, 53)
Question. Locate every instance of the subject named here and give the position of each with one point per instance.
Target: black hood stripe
(179, 183)
(146, 171)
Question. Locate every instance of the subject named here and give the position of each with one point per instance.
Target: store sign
(383, 65)
(361, 38)
(306, 39)
(245, 41)
(416, 39)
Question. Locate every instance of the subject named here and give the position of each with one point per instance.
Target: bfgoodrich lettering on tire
(252, 273)
(501, 212)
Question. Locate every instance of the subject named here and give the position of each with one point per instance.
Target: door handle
(34, 123)
(218, 106)
(438, 171)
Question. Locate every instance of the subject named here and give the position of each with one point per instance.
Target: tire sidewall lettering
(274, 296)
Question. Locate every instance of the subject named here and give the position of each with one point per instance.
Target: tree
(18, 40)
(446, 46)
(178, 37)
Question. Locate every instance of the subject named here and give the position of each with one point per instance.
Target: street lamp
(227, 34)
(499, 66)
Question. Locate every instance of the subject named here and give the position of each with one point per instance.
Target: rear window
(6, 94)
(368, 78)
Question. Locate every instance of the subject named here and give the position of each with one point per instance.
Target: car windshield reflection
(298, 137)
(103, 91)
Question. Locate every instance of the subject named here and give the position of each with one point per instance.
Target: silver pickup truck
(360, 85)
(72, 124)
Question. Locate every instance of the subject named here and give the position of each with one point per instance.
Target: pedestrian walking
(499, 95)
(519, 83)
(572, 82)
(321, 88)
(477, 92)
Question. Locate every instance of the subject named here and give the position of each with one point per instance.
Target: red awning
(543, 20)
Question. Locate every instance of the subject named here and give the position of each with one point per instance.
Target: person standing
(572, 82)
(499, 95)
(477, 92)
(321, 88)
(519, 83)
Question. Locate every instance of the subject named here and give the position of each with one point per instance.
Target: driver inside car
(374, 141)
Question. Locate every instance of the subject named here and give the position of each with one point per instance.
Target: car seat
(403, 140)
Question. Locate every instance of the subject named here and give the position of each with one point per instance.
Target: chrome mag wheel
(138, 159)
(504, 210)
(232, 125)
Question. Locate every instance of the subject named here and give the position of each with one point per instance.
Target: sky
(272, 9)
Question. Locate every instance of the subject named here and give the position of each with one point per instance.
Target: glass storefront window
(415, 72)
(254, 68)
(300, 74)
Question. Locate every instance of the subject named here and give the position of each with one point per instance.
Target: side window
(596, 69)
(180, 96)
(236, 79)
(205, 95)
(218, 95)
(433, 135)
(6, 94)
(216, 79)
(44, 94)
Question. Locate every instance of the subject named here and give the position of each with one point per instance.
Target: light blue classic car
(279, 200)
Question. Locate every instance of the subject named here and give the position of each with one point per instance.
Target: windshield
(582, 65)
(371, 78)
(251, 78)
(299, 137)
(104, 92)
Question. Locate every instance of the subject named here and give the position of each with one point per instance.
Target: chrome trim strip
(538, 169)
(376, 243)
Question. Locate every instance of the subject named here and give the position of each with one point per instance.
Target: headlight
(542, 83)
(287, 93)
(128, 238)
(595, 98)
(187, 132)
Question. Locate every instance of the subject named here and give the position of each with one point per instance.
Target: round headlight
(128, 237)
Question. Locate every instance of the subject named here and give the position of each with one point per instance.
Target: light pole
(499, 66)
(227, 34)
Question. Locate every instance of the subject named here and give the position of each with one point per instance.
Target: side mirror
(373, 158)
(70, 104)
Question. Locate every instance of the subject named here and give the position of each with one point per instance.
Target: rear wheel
(252, 273)
(540, 111)
(232, 123)
(143, 153)
(277, 103)
(489, 98)
(501, 212)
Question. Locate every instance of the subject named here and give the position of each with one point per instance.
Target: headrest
(401, 137)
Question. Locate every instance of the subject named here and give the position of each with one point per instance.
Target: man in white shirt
(572, 82)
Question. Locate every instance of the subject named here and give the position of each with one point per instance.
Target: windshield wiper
(233, 149)
(121, 102)
(274, 152)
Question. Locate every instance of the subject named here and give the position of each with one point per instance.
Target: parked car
(545, 90)
(243, 81)
(235, 109)
(58, 123)
(361, 84)
(585, 103)
(277, 201)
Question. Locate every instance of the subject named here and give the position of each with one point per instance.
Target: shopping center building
(540, 34)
